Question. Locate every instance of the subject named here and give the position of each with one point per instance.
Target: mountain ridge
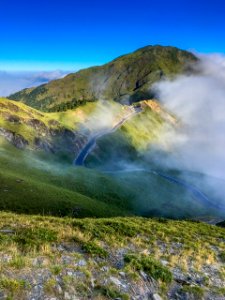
(126, 79)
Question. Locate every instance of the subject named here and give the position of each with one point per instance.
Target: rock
(66, 260)
(81, 263)
(115, 280)
(164, 262)
(19, 180)
(66, 296)
(43, 144)
(69, 273)
(122, 274)
(59, 289)
(92, 282)
(40, 261)
(13, 119)
(6, 258)
(105, 269)
(79, 275)
(16, 139)
(37, 125)
(7, 231)
(144, 275)
(2, 296)
(155, 297)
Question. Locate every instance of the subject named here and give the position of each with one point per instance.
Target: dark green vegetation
(45, 185)
(45, 182)
(126, 79)
(31, 184)
(151, 267)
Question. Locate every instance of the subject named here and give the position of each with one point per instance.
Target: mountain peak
(126, 79)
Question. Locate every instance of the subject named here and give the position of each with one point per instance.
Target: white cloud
(199, 101)
(11, 82)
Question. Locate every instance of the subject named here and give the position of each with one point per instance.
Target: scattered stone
(156, 297)
(7, 231)
(81, 263)
(105, 269)
(67, 296)
(144, 275)
(122, 274)
(115, 280)
(69, 273)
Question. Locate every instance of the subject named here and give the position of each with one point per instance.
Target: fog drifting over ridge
(11, 82)
(199, 102)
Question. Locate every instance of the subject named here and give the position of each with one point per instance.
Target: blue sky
(69, 35)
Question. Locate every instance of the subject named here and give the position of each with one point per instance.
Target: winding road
(80, 159)
(90, 145)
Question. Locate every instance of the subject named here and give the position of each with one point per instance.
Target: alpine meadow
(112, 165)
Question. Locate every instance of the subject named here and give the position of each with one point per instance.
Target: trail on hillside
(191, 188)
(86, 150)
(90, 145)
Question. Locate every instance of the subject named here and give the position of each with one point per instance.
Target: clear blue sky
(66, 34)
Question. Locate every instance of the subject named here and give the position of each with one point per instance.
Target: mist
(11, 82)
(198, 101)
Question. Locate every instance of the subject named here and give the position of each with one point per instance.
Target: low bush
(150, 266)
(94, 249)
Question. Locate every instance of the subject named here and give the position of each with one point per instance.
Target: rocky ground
(119, 258)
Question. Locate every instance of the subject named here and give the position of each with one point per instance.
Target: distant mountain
(126, 79)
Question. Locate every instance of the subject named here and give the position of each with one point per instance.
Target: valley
(93, 204)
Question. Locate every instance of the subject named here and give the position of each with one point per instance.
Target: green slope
(40, 182)
(31, 184)
(43, 185)
(125, 79)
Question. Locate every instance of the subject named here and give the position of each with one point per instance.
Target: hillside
(31, 167)
(38, 183)
(116, 258)
(64, 133)
(26, 127)
(126, 79)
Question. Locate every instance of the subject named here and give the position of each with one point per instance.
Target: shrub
(94, 249)
(222, 256)
(111, 292)
(34, 237)
(18, 262)
(13, 286)
(196, 291)
(150, 266)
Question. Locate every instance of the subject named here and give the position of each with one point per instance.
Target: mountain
(47, 143)
(126, 79)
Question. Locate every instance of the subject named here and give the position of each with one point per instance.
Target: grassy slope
(15, 117)
(88, 192)
(134, 137)
(127, 77)
(43, 185)
(33, 185)
(116, 247)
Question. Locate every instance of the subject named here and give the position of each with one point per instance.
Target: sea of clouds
(11, 82)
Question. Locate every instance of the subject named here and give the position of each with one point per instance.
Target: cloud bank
(11, 82)
(199, 102)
